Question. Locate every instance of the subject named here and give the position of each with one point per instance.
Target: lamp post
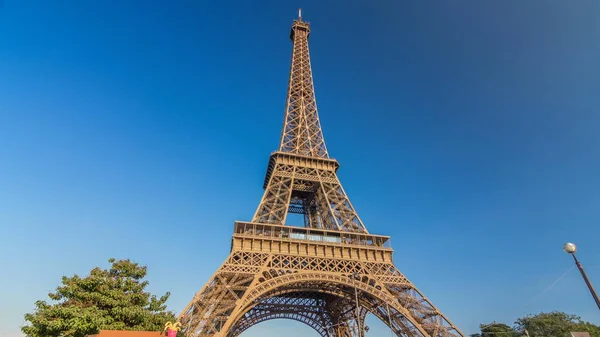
(571, 249)
(356, 277)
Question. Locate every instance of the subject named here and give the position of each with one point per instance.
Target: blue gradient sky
(467, 130)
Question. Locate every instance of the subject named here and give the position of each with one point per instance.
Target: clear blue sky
(466, 130)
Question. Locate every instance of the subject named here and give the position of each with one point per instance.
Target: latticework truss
(307, 186)
(302, 133)
(252, 287)
(328, 274)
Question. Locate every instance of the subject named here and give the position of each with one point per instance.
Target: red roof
(123, 333)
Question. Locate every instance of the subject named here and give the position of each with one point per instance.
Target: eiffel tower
(328, 274)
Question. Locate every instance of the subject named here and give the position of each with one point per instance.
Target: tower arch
(337, 287)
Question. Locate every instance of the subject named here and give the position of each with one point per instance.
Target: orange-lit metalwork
(328, 274)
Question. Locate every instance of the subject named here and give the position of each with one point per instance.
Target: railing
(259, 230)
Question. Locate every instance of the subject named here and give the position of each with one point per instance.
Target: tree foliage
(496, 330)
(107, 299)
(555, 324)
(552, 324)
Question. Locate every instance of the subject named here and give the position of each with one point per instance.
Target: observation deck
(279, 157)
(259, 237)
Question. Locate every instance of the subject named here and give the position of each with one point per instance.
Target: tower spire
(302, 132)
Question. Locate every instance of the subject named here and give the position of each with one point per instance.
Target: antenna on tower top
(300, 14)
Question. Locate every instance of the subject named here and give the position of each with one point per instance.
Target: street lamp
(356, 276)
(571, 249)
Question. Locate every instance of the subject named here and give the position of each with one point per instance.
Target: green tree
(593, 329)
(496, 330)
(107, 299)
(555, 324)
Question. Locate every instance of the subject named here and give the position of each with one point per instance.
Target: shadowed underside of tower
(328, 274)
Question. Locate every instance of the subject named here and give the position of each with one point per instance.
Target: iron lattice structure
(328, 274)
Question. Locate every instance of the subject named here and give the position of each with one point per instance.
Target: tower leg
(210, 310)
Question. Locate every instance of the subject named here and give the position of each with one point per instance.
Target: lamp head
(570, 248)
